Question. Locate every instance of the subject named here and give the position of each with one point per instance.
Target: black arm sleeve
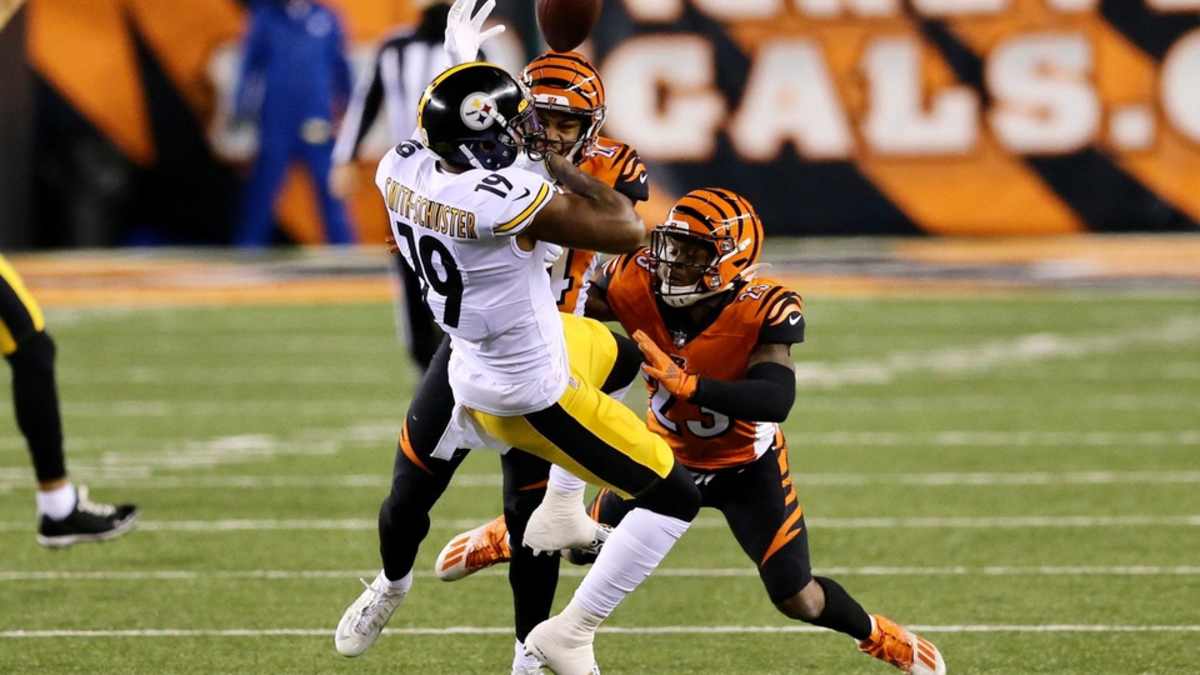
(360, 115)
(766, 395)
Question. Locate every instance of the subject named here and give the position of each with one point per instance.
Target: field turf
(1020, 475)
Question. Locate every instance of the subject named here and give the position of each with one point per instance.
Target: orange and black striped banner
(979, 117)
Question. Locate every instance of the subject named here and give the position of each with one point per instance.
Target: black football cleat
(89, 521)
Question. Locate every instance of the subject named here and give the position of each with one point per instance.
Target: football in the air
(567, 23)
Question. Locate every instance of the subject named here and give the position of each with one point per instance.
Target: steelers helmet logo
(477, 110)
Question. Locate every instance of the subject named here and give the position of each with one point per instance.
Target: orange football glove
(662, 368)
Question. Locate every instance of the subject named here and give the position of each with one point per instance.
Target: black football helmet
(475, 115)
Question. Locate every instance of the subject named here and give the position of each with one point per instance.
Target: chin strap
(462, 147)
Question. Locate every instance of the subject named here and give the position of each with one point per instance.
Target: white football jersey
(458, 233)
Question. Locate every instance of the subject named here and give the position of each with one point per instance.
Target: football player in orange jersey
(570, 101)
(717, 344)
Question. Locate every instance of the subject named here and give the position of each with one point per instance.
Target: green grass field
(1019, 475)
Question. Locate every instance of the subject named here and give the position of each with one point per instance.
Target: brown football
(567, 23)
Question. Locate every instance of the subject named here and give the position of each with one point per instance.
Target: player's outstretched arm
(766, 394)
(591, 215)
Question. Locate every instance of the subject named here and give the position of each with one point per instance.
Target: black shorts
(759, 502)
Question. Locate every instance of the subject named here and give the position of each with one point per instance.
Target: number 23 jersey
(760, 312)
(458, 233)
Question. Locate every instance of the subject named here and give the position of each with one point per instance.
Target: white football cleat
(474, 550)
(561, 522)
(562, 646)
(365, 618)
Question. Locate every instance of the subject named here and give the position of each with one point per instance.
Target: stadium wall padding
(835, 117)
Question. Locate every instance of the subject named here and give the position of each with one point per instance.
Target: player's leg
(560, 523)
(420, 332)
(418, 481)
(760, 504)
(559, 515)
(608, 509)
(319, 158)
(257, 202)
(533, 578)
(67, 516)
(602, 441)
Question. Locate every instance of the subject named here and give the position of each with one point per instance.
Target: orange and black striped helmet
(711, 238)
(566, 82)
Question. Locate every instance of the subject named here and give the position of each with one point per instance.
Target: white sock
(401, 585)
(58, 503)
(632, 552)
(562, 480)
(521, 661)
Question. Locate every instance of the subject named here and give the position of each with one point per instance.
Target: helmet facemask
(686, 265)
(589, 128)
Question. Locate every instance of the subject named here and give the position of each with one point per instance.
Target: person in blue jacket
(294, 79)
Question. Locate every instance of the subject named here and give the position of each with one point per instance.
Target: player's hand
(463, 31)
(341, 181)
(393, 247)
(664, 369)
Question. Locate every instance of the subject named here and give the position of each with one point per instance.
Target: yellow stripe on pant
(19, 312)
(588, 432)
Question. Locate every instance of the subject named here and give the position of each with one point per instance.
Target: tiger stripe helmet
(717, 220)
(566, 82)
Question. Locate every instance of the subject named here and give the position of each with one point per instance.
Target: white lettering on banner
(684, 125)
(741, 10)
(863, 8)
(655, 11)
(1174, 5)
(668, 11)
(1072, 5)
(790, 97)
(1045, 102)
(1132, 127)
(1181, 85)
(895, 122)
(960, 7)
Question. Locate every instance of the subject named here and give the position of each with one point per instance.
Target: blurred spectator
(402, 67)
(294, 78)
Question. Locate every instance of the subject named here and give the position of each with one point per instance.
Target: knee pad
(626, 368)
(675, 496)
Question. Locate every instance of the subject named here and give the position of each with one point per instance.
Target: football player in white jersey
(476, 228)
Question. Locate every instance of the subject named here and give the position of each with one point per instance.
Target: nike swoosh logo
(527, 193)
(795, 319)
(642, 179)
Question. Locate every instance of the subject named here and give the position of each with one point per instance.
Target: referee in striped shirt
(402, 68)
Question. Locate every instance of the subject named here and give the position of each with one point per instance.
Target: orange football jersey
(617, 165)
(762, 311)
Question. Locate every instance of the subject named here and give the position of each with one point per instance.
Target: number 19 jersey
(458, 233)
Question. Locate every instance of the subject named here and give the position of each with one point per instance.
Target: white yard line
(576, 572)
(17, 478)
(617, 630)
(807, 401)
(930, 522)
(991, 355)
